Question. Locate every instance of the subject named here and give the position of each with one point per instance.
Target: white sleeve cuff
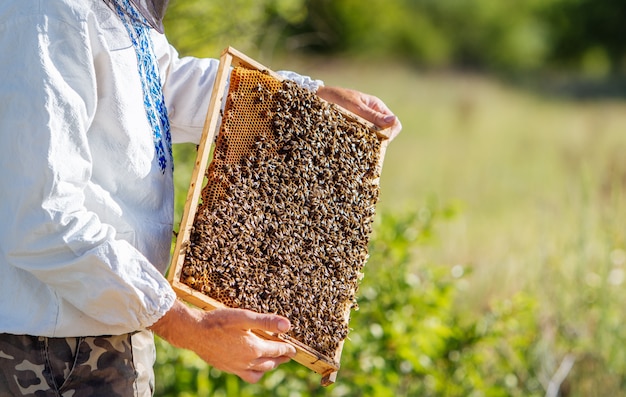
(303, 81)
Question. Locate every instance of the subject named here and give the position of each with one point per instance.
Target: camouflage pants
(107, 366)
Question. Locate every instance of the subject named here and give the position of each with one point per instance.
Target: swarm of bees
(286, 213)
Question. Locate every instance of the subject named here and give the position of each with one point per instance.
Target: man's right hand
(224, 338)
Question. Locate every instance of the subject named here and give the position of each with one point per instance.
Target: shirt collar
(152, 11)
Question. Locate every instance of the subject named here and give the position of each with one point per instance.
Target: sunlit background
(498, 260)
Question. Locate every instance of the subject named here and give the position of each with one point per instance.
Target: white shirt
(85, 211)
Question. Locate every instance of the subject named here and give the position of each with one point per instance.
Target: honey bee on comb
(283, 219)
(299, 239)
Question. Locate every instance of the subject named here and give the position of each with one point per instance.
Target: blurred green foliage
(431, 32)
(504, 36)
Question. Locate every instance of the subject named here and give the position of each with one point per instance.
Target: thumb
(375, 110)
(247, 319)
(383, 120)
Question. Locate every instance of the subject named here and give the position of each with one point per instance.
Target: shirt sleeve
(48, 101)
(302, 80)
(187, 86)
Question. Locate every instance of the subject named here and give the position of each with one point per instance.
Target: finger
(251, 376)
(377, 104)
(382, 120)
(392, 131)
(274, 349)
(258, 368)
(369, 113)
(386, 120)
(268, 364)
(375, 111)
(246, 319)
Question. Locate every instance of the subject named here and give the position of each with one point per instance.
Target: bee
(301, 197)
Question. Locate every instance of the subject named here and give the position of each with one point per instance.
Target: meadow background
(498, 258)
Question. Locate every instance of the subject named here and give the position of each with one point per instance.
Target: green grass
(538, 185)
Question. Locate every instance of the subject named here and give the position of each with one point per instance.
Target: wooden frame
(325, 366)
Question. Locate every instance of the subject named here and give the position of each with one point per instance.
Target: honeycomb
(285, 216)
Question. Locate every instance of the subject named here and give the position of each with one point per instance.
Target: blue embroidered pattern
(139, 32)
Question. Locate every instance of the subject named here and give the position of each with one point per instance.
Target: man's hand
(366, 106)
(223, 338)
